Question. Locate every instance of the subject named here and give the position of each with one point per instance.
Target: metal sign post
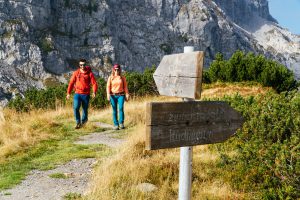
(186, 161)
(188, 123)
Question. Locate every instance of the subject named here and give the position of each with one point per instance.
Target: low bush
(35, 99)
(139, 84)
(248, 67)
(267, 159)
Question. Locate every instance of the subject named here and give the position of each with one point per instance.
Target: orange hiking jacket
(116, 84)
(82, 82)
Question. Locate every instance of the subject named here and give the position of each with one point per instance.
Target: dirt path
(38, 185)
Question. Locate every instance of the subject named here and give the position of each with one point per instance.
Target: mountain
(41, 40)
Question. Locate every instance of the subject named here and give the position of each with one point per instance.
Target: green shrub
(35, 99)
(248, 67)
(67, 3)
(101, 100)
(267, 160)
(139, 84)
(166, 48)
(46, 45)
(18, 104)
(205, 77)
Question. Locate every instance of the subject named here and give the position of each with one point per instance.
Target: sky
(287, 13)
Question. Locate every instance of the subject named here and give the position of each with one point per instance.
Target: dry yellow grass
(117, 177)
(218, 90)
(134, 110)
(1, 115)
(21, 130)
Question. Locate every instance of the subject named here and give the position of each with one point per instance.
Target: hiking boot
(84, 123)
(78, 125)
(116, 128)
(122, 126)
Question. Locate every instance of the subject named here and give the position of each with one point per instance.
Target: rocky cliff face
(41, 40)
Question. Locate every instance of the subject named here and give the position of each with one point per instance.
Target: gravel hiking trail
(38, 185)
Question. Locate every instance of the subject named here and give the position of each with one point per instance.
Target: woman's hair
(113, 69)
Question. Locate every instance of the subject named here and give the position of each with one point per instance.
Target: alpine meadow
(261, 161)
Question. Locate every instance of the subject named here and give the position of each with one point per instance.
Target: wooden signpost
(177, 124)
(188, 123)
(180, 75)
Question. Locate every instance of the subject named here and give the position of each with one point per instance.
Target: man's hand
(93, 95)
(68, 96)
(127, 97)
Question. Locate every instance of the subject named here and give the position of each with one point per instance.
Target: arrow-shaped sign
(180, 75)
(177, 124)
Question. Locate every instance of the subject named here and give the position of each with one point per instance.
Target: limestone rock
(45, 38)
(146, 187)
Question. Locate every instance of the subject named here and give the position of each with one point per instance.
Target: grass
(43, 139)
(161, 168)
(112, 180)
(45, 156)
(219, 89)
(58, 175)
(43, 143)
(72, 196)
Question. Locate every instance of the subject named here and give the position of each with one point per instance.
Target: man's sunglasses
(81, 64)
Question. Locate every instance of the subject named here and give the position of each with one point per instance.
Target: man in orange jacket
(81, 80)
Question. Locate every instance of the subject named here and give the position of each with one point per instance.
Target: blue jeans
(81, 99)
(117, 101)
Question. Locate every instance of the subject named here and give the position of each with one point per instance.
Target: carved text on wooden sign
(176, 124)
